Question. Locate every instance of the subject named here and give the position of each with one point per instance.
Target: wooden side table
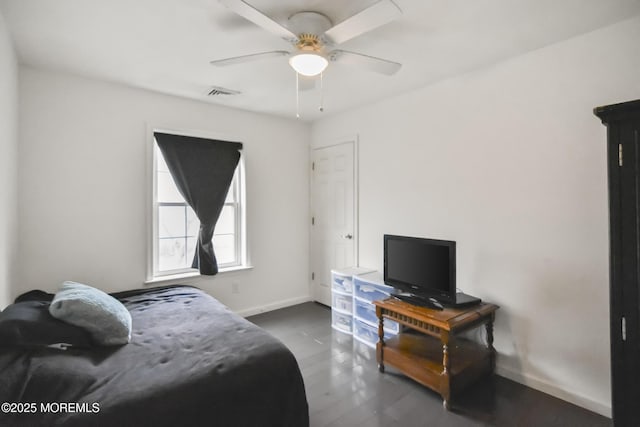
(431, 351)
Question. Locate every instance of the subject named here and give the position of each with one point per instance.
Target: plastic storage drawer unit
(342, 278)
(342, 297)
(370, 287)
(341, 283)
(367, 334)
(342, 322)
(342, 303)
(366, 312)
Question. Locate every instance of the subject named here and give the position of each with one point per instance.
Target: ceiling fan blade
(371, 63)
(380, 13)
(247, 58)
(252, 14)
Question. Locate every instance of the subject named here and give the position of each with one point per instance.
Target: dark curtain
(202, 170)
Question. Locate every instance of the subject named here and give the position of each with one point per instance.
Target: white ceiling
(166, 45)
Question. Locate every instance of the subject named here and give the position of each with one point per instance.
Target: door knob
(348, 236)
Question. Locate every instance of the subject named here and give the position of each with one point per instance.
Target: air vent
(217, 90)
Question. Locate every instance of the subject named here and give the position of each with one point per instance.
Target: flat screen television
(425, 268)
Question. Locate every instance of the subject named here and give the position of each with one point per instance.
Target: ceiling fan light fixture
(308, 63)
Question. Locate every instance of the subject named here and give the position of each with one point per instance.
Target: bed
(190, 362)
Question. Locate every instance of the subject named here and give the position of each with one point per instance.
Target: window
(175, 225)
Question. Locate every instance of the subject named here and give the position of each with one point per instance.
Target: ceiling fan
(313, 36)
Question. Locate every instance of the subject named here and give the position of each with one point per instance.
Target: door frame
(349, 139)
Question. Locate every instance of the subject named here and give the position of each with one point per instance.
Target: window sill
(194, 275)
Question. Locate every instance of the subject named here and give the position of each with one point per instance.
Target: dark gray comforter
(191, 362)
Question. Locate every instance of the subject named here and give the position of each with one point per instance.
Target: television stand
(430, 350)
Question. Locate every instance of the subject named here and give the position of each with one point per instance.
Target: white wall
(83, 200)
(510, 162)
(8, 160)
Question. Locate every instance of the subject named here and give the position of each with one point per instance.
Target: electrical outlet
(235, 288)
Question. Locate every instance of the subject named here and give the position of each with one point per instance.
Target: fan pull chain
(297, 95)
(321, 94)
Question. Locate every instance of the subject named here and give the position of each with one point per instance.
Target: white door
(332, 210)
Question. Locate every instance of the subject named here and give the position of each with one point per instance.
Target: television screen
(424, 267)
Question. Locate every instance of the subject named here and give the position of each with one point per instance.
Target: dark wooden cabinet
(623, 152)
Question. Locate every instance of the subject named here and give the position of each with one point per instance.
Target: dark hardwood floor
(344, 387)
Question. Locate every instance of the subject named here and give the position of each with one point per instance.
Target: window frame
(238, 186)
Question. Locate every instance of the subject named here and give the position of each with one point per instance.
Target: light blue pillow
(103, 316)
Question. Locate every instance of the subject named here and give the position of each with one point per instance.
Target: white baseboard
(273, 306)
(602, 408)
